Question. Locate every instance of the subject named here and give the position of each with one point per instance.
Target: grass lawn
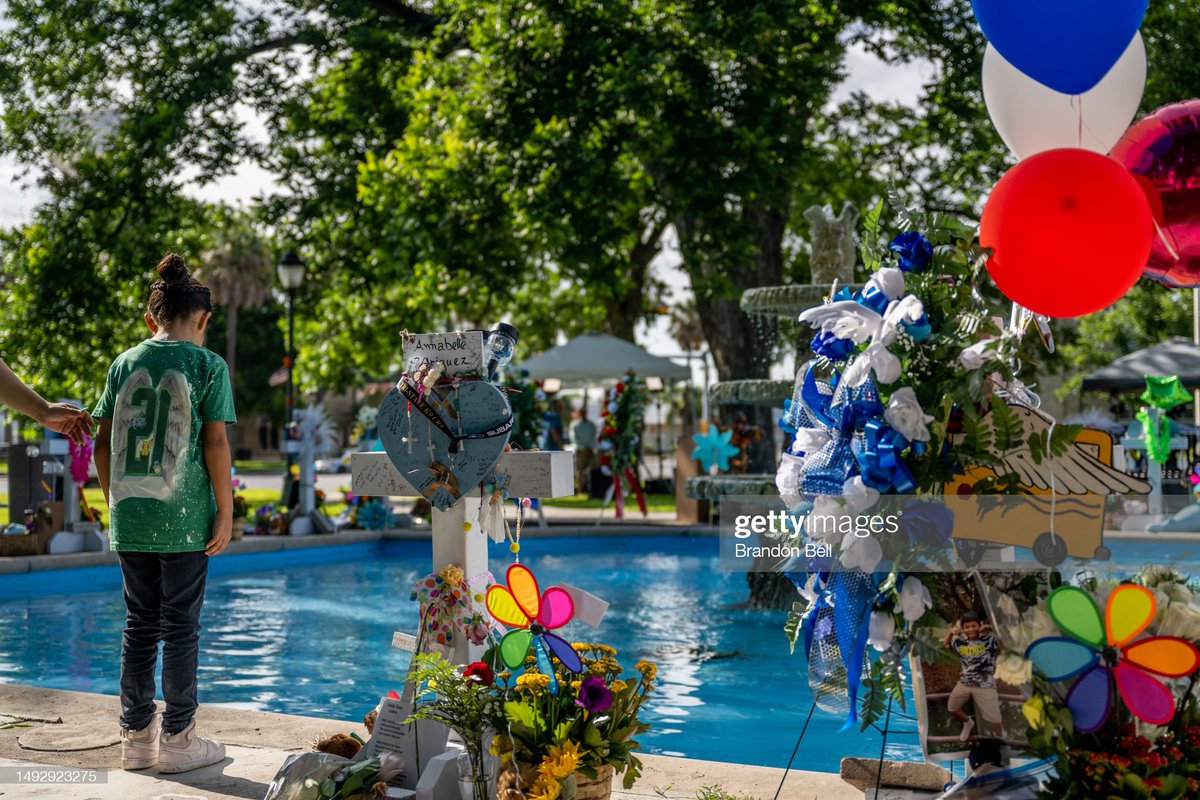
(259, 466)
(254, 497)
(654, 502)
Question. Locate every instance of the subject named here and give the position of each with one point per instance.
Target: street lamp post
(291, 276)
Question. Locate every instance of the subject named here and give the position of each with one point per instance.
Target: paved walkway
(259, 742)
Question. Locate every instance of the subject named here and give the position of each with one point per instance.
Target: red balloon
(1070, 232)
(1165, 148)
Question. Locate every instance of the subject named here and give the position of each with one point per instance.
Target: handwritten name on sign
(460, 351)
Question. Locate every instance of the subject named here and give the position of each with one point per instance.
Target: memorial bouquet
(567, 743)
(464, 700)
(619, 438)
(911, 382)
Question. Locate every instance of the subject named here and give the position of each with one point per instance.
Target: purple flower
(913, 251)
(594, 695)
(830, 346)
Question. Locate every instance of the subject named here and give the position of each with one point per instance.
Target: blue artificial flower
(784, 424)
(830, 346)
(929, 523)
(919, 330)
(913, 251)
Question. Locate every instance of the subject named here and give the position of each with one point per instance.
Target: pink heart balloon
(1164, 148)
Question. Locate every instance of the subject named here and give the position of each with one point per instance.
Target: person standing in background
(553, 438)
(583, 434)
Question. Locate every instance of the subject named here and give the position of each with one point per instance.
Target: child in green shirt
(163, 461)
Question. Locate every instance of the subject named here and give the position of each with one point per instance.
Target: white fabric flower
(862, 552)
(915, 599)
(808, 440)
(973, 357)
(880, 630)
(904, 413)
(1013, 669)
(890, 281)
(824, 523)
(858, 496)
(787, 480)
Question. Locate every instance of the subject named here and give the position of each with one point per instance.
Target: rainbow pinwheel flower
(1099, 652)
(532, 614)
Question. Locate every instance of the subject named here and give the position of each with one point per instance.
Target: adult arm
(215, 444)
(62, 417)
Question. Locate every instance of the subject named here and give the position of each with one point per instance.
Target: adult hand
(222, 533)
(67, 419)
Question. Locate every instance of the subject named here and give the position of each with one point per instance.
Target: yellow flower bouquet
(566, 745)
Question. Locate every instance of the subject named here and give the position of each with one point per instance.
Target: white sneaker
(139, 749)
(968, 726)
(183, 751)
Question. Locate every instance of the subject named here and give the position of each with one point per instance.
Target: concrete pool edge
(261, 740)
(15, 565)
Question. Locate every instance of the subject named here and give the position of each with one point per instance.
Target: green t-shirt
(159, 394)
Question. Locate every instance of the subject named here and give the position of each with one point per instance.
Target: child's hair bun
(172, 268)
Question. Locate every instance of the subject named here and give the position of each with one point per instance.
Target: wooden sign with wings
(1060, 511)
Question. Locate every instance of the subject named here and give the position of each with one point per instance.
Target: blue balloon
(1068, 45)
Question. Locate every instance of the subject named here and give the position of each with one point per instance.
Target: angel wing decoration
(849, 319)
(151, 430)
(1077, 471)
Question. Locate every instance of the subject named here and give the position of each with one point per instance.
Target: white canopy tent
(596, 358)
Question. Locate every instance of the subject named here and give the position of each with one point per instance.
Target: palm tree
(238, 270)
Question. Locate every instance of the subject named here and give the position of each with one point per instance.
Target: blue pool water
(315, 640)
(308, 632)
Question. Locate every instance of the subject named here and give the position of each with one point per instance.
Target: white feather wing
(179, 427)
(125, 416)
(845, 319)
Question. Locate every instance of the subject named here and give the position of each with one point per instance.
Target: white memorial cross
(529, 473)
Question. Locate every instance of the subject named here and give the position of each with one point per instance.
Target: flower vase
(475, 787)
(239, 529)
(472, 783)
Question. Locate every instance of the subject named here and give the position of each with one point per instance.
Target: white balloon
(1031, 117)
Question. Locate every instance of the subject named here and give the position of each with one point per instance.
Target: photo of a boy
(977, 648)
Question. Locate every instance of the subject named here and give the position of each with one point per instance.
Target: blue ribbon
(853, 596)
(880, 461)
(873, 298)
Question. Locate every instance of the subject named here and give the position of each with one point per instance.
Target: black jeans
(163, 596)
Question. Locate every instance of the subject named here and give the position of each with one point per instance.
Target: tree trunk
(740, 344)
(231, 321)
(625, 309)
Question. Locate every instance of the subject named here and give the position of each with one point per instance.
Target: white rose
(858, 496)
(787, 480)
(880, 630)
(1013, 669)
(829, 511)
(890, 281)
(973, 357)
(612, 407)
(904, 413)
(915, 599)
(809, 440)
(861, 552)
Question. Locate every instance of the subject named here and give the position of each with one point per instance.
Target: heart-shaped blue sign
(444, 440)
